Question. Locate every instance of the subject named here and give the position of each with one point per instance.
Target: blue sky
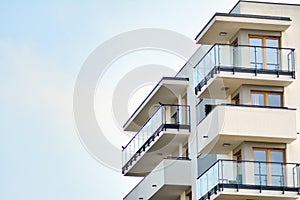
(42, 48)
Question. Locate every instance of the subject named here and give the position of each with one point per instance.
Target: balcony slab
(234, 124)
(167, 181)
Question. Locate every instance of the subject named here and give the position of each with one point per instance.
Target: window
(269, 166)
(235, 52)
(262, 98)
(236, 99)
(238, 155)
(264, 52)
(189, 196)
(239, 166)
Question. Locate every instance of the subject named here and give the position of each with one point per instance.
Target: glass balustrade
(165, 117)
(244, 58)
(248, 175)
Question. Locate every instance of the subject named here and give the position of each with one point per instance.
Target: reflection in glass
(258, 99)
(260, 169)
(256, 53)
(277, 174)
(274, 100)
(272, 54)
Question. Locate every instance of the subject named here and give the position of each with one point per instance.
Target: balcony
(167, 181)
(227, 67)
(168, 90)
(226, 126)
(231, 179)
(158, 138)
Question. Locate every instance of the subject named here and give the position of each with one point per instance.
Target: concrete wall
(246, 124)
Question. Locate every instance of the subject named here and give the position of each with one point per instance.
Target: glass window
(256, 53)
(274, 100)
(258, 99)
(277, 169)
(264, 52)
(276, 156)
(269, 167)
(272, 54)
(262, 98)
(272, 42)
(260, 169)
(236, 99)
(260, 155)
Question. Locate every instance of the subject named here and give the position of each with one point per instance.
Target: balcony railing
(165, 117)
(246, 59)
(248, 175)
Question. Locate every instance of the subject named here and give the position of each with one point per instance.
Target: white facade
(228, 126)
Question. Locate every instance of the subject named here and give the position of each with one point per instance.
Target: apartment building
(226, 126)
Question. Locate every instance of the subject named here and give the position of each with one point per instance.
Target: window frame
(266, 93)
(264, 54)
(268, 160)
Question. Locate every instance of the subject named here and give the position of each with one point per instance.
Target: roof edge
(245, 16)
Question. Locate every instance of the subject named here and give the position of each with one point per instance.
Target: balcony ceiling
(166, 92)
(232, 23)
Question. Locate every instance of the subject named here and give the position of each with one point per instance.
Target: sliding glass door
(269, 167)
(264, 52)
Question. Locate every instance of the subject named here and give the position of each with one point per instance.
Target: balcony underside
(226, 82)
(216, 146)
(155, 151)
(167, 181)
(232, 23)
(234, 124)
(251, 192)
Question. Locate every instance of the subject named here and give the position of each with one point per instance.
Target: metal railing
(244, 58)
(248, 175)
(167, 116)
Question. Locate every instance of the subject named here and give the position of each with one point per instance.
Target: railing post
(178, 119)
(293, 64)
(255, 60)
(207, 186)
(289, 61)
(237, 170)
(164, 110)
(219, 176)
(277, 50)
(298, 177)
(215, 57)
(233, 59)
(260, 185)
(219, 61)
(283, 177)
(188, 117)
(222, 172)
